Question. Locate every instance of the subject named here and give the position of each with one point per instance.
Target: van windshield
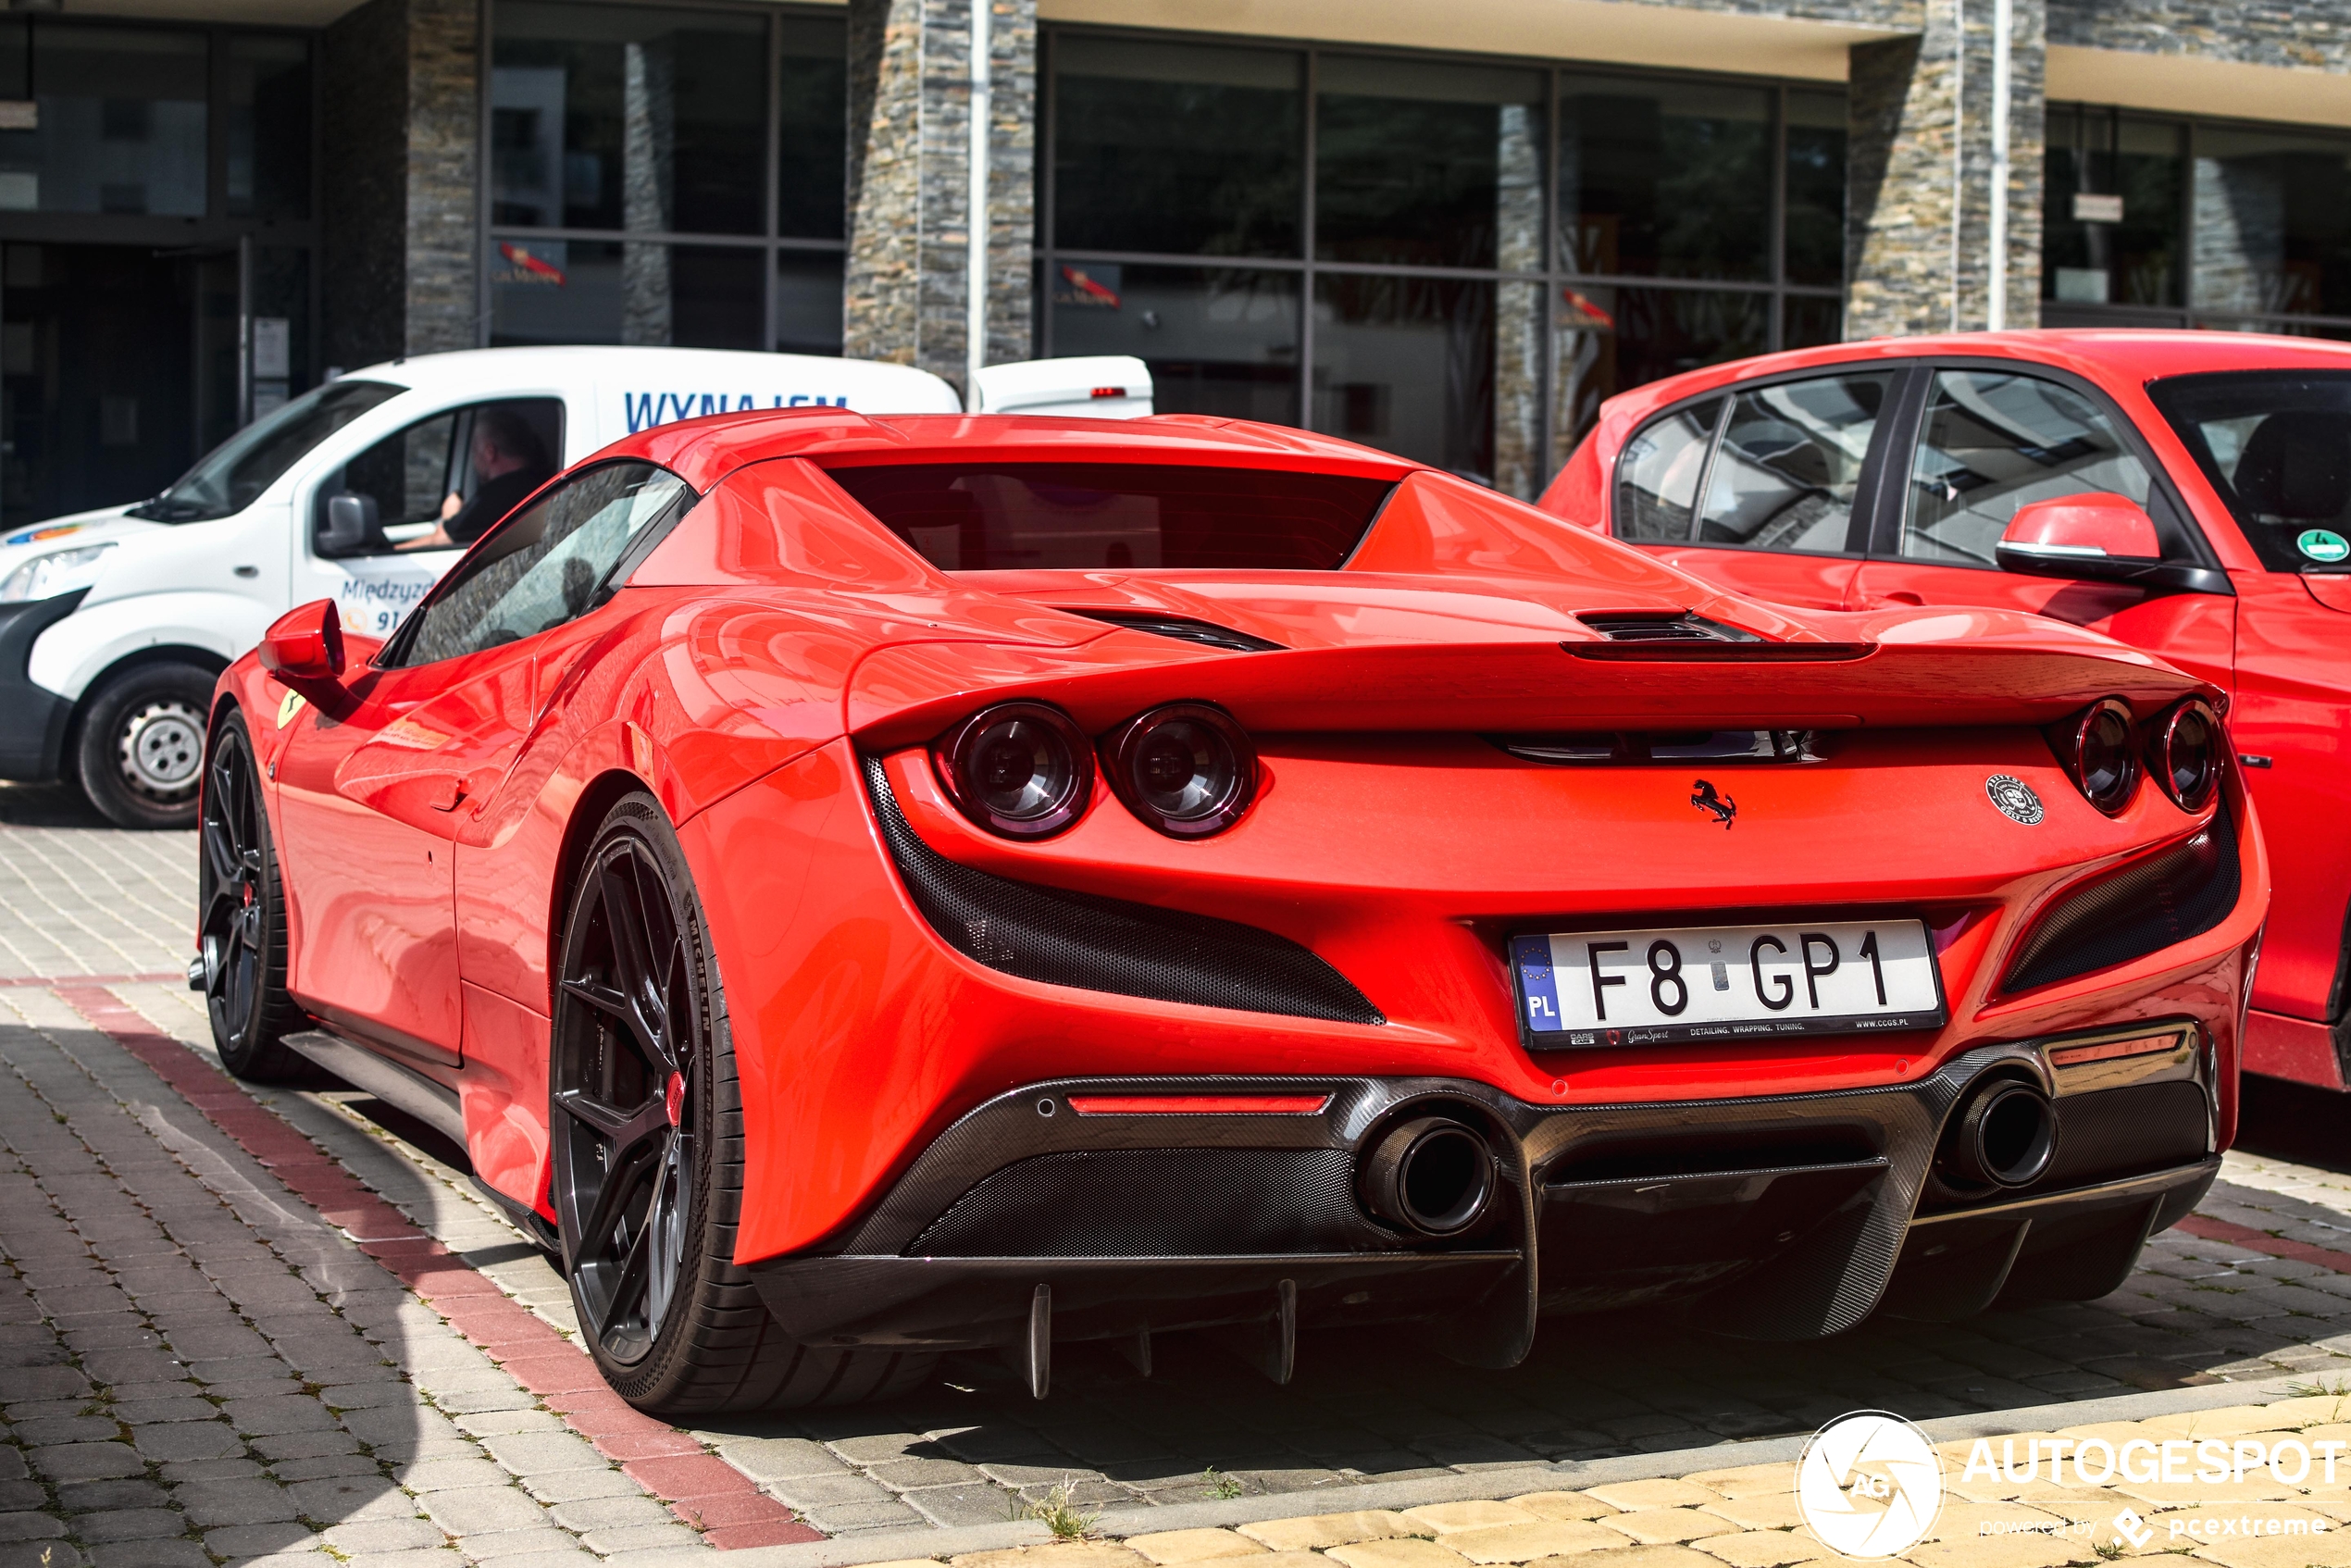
(227, 478)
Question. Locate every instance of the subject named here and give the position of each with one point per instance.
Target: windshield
(2277, 445)
(227, 478)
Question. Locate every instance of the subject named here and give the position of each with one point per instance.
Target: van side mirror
(350, 524)
(2099, 536)
(303, 647)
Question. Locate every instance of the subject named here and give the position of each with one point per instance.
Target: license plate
(1580, 988)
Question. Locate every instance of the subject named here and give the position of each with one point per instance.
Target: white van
(114, 623)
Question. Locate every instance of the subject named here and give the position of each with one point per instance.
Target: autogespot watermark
(1869, 1484)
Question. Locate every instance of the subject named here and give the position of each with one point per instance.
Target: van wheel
(142, 749)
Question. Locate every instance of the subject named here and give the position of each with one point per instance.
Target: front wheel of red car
(645, 1115)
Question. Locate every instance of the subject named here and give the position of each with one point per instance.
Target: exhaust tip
(2006, 1136)
(1432, 1176)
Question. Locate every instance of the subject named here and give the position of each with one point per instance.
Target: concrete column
(401, 225)
(907, 295)
(1919, 173)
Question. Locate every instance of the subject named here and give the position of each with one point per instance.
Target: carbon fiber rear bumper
(1783, 1217)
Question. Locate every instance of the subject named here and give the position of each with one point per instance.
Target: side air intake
(2142, 908)
(1100, 944)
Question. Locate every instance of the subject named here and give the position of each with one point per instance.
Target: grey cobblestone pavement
(204, 1369)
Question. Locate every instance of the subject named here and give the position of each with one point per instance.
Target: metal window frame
(1552, 277)
(767, 241)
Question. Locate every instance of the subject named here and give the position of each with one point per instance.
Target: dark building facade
(1449, 230)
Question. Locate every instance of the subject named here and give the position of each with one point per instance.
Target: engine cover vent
(1183, 627)
(1654, 625)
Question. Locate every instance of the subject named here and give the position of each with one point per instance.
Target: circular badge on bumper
(2015, 798)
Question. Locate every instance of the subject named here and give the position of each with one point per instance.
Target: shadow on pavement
(2291, 1121)
(47, 805)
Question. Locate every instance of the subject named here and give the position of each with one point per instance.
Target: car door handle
(450, 795)
(1900, 596)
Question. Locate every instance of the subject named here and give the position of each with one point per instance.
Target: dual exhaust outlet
(1434, 1175)
(2004, 1135)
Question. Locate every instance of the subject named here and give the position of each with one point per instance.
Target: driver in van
(509, 462)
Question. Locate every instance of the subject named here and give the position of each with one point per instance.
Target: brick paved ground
(1366, 1407)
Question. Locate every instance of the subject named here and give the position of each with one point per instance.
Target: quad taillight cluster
(2105, 751)
(1025, 770)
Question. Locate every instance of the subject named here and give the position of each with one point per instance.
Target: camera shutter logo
(1869, 1484)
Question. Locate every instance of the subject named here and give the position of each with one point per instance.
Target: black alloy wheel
(242, 928)
(643, 1110)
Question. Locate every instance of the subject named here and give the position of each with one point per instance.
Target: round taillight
(1185, 769)
(2099, 755)
(2184, 754)
(1022, 769)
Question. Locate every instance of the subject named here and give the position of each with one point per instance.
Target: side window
(1790, 464)
(442, 480)
(1657, 474)
(1995, 441)
(546, 565)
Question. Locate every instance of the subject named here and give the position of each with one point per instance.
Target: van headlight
(60, 571)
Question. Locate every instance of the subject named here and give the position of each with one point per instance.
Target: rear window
(2276, 445)
(1082, 517)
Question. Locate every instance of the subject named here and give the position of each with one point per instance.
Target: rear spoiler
(908, 693)
(1109, 386)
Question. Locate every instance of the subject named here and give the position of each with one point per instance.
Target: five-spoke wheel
(241, 939)
(646, 1123)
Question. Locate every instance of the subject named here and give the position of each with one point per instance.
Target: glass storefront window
(268, 127)
(1221, 340)
(627, 118)
(2112, 226)
(121, 124)
(1407, 363)
(814, 106)
(1665, 178)
(1610, 339)
(1184, 149)
(2272, 225)
(808, 301)
(625, 292)
(1427, 164)
(1447, 324)
(1815, 236)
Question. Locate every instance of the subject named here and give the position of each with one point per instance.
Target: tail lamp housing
(2094, 746)
(1023, 770)
(1185, 769)
(2184, 753)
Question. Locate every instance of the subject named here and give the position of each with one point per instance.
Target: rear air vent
(1183, 627)
(2145, 907)
(1597, 747)
(1103, 944)
(1644, 626)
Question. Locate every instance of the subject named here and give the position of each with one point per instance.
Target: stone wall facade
(1919, 172)
(401, 223)
(910, 95)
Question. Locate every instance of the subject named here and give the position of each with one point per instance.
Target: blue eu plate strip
(1538, 989)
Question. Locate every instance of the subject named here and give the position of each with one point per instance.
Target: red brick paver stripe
(700, 1488)
(2262, 1241)
(93, 980)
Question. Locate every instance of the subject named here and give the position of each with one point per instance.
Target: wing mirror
(350, 524)
(2101, 536)
(302, 648)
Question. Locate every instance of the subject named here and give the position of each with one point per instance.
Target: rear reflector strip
(2146, 1045)
(1199, 1105)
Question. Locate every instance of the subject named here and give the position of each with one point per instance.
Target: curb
(1500, 1481)
(702, 1490)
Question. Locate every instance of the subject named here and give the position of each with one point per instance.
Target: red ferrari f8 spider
(866, 887)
